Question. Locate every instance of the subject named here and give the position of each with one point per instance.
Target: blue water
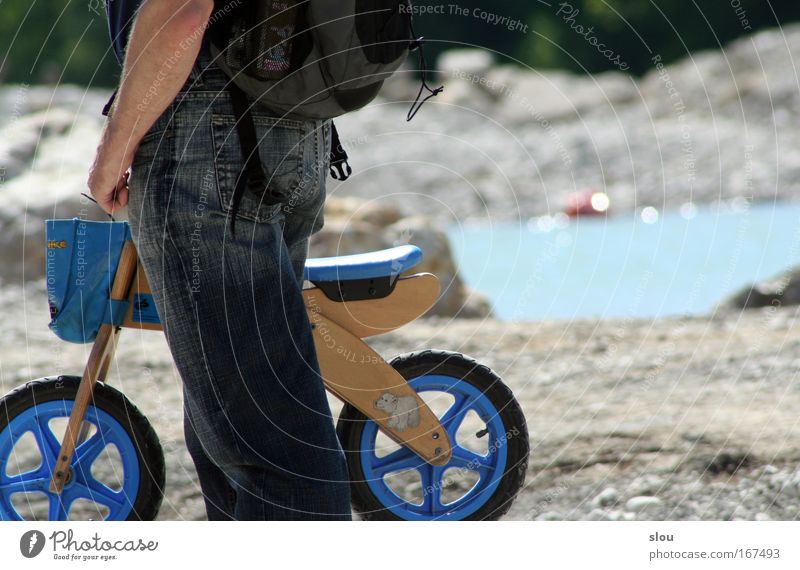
(646, 263)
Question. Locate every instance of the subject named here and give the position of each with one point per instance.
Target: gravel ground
(673, 419)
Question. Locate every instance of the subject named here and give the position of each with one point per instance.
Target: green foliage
(567, 34)
(55, 41)
(67, 40)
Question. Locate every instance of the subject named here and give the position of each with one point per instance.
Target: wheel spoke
(465, 459)
(58, 510)
(88, 451)
(19, 484)
(98, 492)
(398, 460)
(431, 488)
(47, 441)
(455, 414)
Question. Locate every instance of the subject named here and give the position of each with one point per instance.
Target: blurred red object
(586, 203)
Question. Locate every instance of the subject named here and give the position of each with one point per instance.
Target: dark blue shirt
(120, 17)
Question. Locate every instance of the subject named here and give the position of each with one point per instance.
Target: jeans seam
(211, 377)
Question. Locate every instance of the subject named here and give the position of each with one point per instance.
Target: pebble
(740, 514)
(645, 485)
(608, 497)
(642, 504)
(550, 516)
(770, 470)
(599, 515)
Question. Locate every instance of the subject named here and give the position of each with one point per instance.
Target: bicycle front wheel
(117, 472)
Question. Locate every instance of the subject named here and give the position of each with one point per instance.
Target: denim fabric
(257, 422)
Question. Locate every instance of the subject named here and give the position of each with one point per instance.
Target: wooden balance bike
(430, 435)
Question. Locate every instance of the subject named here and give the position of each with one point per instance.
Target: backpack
(308, 60)
(311, 59)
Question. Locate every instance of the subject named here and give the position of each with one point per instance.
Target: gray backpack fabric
(312, 59)
(307, 60)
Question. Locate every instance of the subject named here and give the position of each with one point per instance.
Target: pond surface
(639, 264)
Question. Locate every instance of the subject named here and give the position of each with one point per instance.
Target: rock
(740, 513)
(379, 214)
(402, 86)
(458, 61)
(475, 305)
(464, 96)
(438, 259)
(349, 208)
(538, 97)
(556, 96)
(599, 515)
(550, 516)
(465, 72)
(643, 504)
(645, 485)
(346, 237)
(20, 138)
(353, 225)
(47, 157)
(778, 479)
(781, 290)
(721, 461)
(608, 497)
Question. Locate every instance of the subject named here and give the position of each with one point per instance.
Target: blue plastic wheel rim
(83, 484)
(490, 467)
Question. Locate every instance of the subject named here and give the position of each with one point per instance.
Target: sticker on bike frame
(144, 309)
(403, 410)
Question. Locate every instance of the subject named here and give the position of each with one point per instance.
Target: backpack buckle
(340, 169)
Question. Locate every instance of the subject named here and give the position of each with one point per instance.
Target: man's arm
(163, 45)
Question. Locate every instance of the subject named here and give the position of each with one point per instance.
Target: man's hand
(108, 175)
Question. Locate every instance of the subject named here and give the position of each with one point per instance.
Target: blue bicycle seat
(383, 263)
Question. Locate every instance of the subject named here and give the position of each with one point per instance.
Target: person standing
(257, 422)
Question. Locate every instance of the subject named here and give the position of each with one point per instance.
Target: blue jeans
(256, 418)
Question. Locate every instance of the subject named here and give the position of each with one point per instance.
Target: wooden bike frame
(350, 369)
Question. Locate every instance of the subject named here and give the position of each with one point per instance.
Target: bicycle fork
(97, 367)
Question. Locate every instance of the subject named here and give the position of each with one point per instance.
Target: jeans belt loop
(196, 75)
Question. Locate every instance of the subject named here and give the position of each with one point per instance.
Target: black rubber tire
(150, 454)
(351, 424)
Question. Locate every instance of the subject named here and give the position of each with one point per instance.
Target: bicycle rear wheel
(487, 430)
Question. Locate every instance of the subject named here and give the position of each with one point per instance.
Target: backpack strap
(418, 45)
(252, 175)
(107, 107)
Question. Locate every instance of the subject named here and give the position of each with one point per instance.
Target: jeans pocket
(281, 148)
(156, 141)
(151, 166)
